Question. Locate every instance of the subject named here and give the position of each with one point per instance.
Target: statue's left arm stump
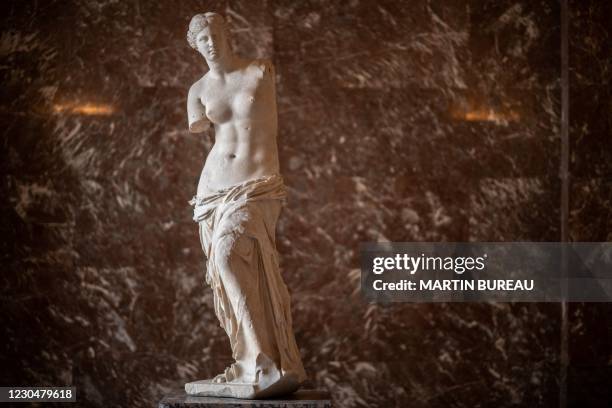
(299, 399)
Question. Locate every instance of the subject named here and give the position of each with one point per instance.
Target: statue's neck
(222, 65)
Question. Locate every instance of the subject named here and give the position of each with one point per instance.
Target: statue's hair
(199, 22)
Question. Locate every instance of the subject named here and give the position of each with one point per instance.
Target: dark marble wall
(590, 217)
(400, 121)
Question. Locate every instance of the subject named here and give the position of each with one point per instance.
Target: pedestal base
(269, 387)
(299, 399)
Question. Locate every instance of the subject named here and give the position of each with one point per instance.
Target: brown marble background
(405, 121)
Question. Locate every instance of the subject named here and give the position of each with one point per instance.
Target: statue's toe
(219, 379)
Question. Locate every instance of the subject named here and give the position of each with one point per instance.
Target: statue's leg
(291, 361)
(239, 267)
(252, 304)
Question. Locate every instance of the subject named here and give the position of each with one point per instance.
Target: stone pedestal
(299, 399)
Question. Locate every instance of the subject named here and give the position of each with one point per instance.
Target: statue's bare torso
(241, 104)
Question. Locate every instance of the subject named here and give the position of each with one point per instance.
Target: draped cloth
(237, 231)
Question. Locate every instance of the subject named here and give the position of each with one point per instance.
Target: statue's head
(208, 35)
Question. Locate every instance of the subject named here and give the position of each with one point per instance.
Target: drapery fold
(237, 231)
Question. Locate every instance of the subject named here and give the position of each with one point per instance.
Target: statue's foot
(266, 381)
(224, 377)
(220, 378)
(287, 384)
(221, 386)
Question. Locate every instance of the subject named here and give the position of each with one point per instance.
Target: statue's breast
(218, 109)
(244, 105)
(253, 97)
(246, 95)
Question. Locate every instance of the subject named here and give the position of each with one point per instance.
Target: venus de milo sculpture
(238, 202)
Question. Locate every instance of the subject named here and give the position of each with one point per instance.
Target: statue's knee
(230, 249)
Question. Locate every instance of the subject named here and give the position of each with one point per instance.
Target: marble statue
(238, 201)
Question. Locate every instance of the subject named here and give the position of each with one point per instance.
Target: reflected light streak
(84, 109)
(482, 114)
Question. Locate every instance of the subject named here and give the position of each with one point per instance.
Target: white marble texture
(237, 205)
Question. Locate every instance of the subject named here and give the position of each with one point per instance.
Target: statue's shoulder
(198, 86)
(196, 91)
(263, 67)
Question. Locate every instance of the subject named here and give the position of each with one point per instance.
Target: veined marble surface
(590, 104)
(402, 121)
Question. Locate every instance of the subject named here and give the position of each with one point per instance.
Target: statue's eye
(204, 38)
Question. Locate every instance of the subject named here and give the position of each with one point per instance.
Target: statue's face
(212, 42)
